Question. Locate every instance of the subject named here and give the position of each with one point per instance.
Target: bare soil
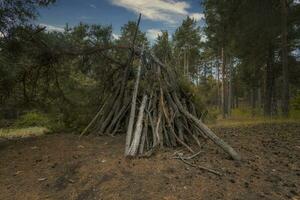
(63, 167)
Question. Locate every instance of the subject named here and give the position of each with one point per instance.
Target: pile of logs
(153, 109)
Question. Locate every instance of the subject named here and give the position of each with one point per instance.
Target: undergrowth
(247, 116)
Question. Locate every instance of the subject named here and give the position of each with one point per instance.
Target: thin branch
(198, 166)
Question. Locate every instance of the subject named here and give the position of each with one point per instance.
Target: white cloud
(92, 6)
(115, 36)
(296, 53)
(52, 28)
(170, 11)
(203, 38)
(153, 33)
(197, 16)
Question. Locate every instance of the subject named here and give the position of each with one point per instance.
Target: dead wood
(200, 167)
(167, 115)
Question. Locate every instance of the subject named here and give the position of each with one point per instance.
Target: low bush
(32, 118)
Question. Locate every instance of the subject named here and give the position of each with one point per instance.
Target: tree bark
(218, 86)
(253, 100)
(284, 51)
(237, 101)
(259, 104)
(269, 83)
(224, 86)
(229, 103)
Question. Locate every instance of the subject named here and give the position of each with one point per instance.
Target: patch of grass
(244, 116)
(247, 122)
(295, 114)
(32, 119)
(10, 133)
(53, 123)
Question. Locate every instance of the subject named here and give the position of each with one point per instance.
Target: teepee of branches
(153, 109)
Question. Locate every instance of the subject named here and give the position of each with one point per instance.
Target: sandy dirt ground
(61, 166)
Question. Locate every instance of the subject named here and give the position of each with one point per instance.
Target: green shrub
(296, 102)
(212, 115)
(32, 118)
(56, 123)
(193, 93)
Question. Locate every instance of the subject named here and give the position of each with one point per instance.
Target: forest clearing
(150, 99)
(60, 166)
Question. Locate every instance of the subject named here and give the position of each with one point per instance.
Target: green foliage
(211, 115)
(127, 34)
(296, 102)
(163, 48)
(53, 122)
(187, 41)
(245, 112)
(250, 33)
(15, 13)
(66, 87)
(295, 114)
(32, 118)
(53, 73)
(192, 92)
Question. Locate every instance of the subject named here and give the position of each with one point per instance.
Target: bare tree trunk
(185, 63)
(259, 98)
(224, 86)
(269, 84)
(229, 103)
(218, 86)
(25, 96)
(253, 100)
(285, 70)
(274, 108)
(205, 73)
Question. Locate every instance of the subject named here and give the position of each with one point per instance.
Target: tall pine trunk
(224, 86)
(218, 87)
(229, 103)
(269, 83)
(253, 100)
(285, 93)
(259, 99)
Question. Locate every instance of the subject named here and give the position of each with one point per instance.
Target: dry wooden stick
(132, 110)
(193, 156)
(198, 166)
(133, 149)
(93, 120)
(208, 132)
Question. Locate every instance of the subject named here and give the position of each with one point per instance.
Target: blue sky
(156, 14)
